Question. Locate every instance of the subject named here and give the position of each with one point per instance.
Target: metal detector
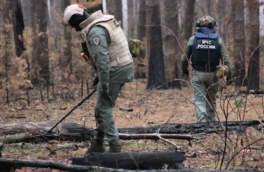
(50, 133)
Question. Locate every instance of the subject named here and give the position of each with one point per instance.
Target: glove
(221, 71)
(186, 72)
(95, 81)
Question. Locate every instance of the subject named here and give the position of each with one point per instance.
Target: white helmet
(71, 10)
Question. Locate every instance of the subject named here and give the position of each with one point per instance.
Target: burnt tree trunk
(156, 78)
(133, 160)
(187, 16)
(140, 61)
(18, 28)
(141, 20)
(239, 42)
(114, 7)
(17, 132)
(40, 59)
(66, 61)
(171, 46)
(131, 16)
(252, 29)
(2, 167)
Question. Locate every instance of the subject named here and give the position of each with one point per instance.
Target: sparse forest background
(42, 76)
(38, 50)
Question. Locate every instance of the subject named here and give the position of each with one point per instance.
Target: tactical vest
(118, 49)
(205, 51)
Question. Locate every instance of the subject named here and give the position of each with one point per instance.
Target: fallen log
(134, 160)
(26, 131)
(155, 136)
(17, 163)
(195, 128)
(16, 132)
(2, 167)
(15, 138)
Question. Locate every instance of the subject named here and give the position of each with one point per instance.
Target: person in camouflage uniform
(205, 51)
(109, 55)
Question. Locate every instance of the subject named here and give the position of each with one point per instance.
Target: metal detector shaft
(87, 97)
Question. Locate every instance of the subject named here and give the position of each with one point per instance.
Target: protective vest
(118, 49)
(205, 51)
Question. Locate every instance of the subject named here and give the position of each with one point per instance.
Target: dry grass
(150, 108)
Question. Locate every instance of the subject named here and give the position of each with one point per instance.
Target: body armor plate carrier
(205, 51)
(118, 49)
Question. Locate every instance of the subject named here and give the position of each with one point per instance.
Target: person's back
(205, 50)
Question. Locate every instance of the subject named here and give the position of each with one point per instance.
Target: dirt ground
(150, 108)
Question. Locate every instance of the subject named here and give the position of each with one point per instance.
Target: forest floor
(150, 108)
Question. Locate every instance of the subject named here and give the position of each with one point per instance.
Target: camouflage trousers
(105, 124)
(205, 87)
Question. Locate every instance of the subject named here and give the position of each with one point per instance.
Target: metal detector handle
(87, 97)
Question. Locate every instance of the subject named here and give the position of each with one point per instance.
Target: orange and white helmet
(72, 10)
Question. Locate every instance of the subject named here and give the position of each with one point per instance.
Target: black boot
(115, 146)
(96, 146)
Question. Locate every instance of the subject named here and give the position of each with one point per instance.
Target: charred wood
(133, 160)
(252, 91)
(16, 132)
(195, 128)
(8, 163)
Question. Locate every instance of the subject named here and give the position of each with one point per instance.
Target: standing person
(206, 51)
(109, 55)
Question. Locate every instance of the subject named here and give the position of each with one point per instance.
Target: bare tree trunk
(18, 28)
(220, 17)
(141, 22)
(239, 42)
(252, 31)
(187, 19)
(154, 42)
(225, 24)
(131, 16)
(40, 59)
(26, 9)
(65, 62)
(114, 7)
(225, 20)
(171, 47)
(7, 16)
